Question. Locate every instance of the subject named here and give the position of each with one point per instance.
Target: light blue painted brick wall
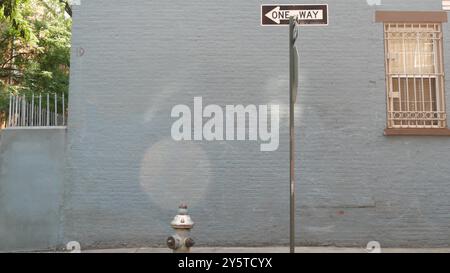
(31, 188)
(126, 176)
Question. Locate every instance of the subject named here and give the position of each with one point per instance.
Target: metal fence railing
(36, 111)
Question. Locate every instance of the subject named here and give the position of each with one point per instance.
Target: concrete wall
(31, 188)
(125, 176)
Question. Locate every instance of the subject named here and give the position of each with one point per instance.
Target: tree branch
(67, 7)
(12, 58)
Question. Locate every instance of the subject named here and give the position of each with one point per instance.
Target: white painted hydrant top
(182, 220)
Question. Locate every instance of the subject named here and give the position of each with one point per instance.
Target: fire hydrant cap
(182, 220)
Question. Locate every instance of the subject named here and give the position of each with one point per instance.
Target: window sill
(417, 132)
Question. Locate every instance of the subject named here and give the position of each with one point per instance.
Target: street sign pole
(293, 86)
(294, 16)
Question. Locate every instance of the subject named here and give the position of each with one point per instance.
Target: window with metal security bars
(446, 4)
(415, 76)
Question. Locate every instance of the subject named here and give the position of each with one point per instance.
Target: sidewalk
(272, 250)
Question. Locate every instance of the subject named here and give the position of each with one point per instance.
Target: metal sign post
(293, 15)
(293, 88)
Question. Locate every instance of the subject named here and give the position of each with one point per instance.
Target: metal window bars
(36, 111)
(415, 76)
(446, 4)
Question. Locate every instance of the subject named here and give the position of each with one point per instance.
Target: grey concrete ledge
(35, 128)
(225, 250)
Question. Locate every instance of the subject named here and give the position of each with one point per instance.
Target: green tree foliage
(12, 11)
(34, 48)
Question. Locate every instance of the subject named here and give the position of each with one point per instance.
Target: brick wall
(125, 176)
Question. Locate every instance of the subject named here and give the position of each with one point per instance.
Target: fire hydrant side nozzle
(182, 223)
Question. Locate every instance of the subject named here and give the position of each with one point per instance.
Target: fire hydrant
(181, 242)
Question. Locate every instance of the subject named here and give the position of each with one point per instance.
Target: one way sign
(304, 14)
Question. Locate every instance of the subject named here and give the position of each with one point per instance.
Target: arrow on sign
(277, 14)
